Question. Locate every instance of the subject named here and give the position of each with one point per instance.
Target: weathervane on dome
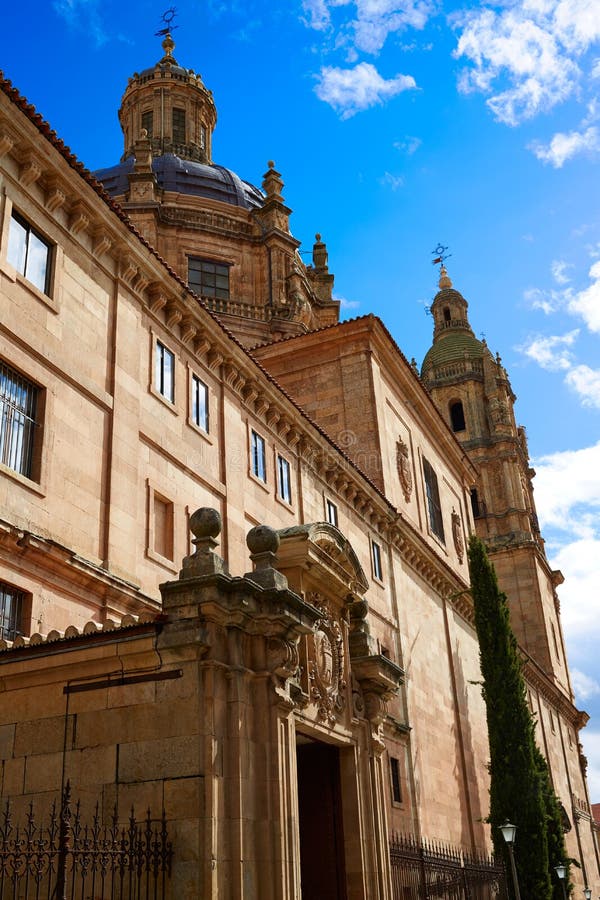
(440, 255)
(167, 19)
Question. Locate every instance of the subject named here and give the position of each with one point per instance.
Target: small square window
(165, 372)
(258, 462)
(376, 556)
(395, 779)
(12, 604)
(284, 481)
(29, 253)
(19, 427)
(199, 403)
(208, 278)
(331, 512)
(163, 511)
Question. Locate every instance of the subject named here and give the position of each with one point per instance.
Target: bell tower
(472, 391)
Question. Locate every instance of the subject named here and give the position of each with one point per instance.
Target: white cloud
(591, 747)
(83, 15)
(347, 304)
(565, 146)
(370, 21)
(567, 493)
(583, 686)
(586, 303)
(585, 382)
(349, 91)
(525, 55)
(559, 271)
(393, 181)
(551, 352)
(408, 145)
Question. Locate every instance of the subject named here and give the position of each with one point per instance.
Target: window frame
(181, 124)
(34, 415)
(376, 560)
(331, 512)
(154, 494)
(284, 485)
(435, 516)
(23, 606)
(158, 371)
(395, 781)
(204, 425)
(30, 231)
(258, 457)
(214, 291)
(13, 274)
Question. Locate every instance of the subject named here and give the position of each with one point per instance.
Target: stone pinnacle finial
(205, 525)
(263, 543)
(444, 281)
(319, 254)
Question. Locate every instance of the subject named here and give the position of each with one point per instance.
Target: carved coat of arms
(326, 665)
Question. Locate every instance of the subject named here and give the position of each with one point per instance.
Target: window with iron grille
(12, 603)
(165, 372)
(148, 121)
(208, 278)
(258, 461)
(433, 501)
(18, 408)
(29, 253)
(199, 403)
(179, 126)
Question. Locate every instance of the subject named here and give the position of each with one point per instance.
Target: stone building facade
(163, 350)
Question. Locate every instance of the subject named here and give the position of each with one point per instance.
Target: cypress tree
(516, 782)
(557, 850)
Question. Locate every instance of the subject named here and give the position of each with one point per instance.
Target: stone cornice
(537, 678)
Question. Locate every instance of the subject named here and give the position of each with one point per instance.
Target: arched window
(457, 416)
(447, 315)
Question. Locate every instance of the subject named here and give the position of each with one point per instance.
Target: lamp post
(561, 872)
(508, 833)
(587, 893)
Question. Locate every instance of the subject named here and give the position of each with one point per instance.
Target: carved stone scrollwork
(404, 469)
(459, 544)
(326, 664)
(282, 657)
(358, 701)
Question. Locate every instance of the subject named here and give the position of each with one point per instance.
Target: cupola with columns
(169, 106)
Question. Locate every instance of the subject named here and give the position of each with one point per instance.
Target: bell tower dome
(169, 106)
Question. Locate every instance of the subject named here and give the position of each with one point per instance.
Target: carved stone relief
(459, 544)
(326, 664)
(404, 468)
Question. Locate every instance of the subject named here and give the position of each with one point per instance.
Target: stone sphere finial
(270, 164)
(205, 523)
(317, 236)
(262, 539)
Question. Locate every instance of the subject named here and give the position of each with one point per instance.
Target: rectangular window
(164, 381)
(376, 555)
(148, 121)
(208, 278)
(395, 777)
(163, 526)
(179, 126)
(29, 253)
(259, 460)
(331, 512)
(199, 403)
(12, 602)
(284, 481)
(433, 501)
(18, 406)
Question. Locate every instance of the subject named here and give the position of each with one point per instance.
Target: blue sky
(399, 124)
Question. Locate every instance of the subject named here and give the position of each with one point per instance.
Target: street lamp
(508, 833)
(561, 872)
(587, 893)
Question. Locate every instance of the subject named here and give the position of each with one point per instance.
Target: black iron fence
(65, 858)
(421, 869)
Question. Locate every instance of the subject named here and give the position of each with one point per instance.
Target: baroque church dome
(168, 112)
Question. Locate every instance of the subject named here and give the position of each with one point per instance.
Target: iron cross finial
(441, 255)
(167, 19)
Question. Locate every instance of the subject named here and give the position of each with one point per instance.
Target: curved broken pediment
(322, 550)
